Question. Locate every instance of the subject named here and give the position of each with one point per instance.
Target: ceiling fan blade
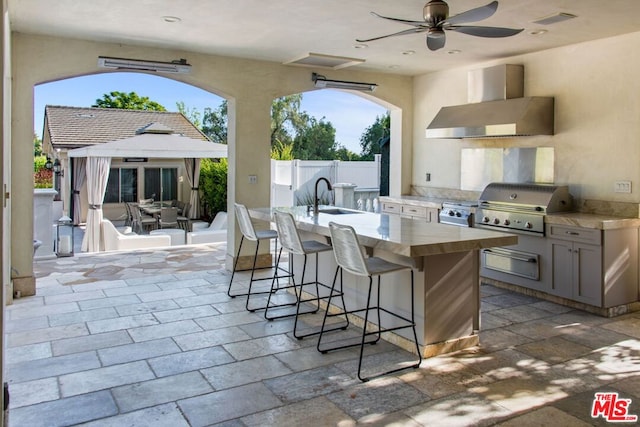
(436, 40)
(399, 33)
(473, 15)
(491, 32)
(403, 21)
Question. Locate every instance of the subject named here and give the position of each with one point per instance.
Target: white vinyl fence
(293, 181)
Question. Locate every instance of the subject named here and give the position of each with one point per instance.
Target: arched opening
(343, 136)
(64, 107)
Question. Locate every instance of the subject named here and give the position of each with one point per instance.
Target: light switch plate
(622, 187)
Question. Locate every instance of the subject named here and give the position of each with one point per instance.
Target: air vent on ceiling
(554, 19)
(318, 60)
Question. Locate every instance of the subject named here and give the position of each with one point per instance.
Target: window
(122, 186)
(161, 184)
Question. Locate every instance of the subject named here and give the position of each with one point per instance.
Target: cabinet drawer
(388, 207)
(575, 234)
(417, 211)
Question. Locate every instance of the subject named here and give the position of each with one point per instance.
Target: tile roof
(74, 127)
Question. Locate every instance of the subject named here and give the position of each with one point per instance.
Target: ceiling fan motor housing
(435, 12)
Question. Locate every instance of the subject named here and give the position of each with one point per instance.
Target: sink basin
(336, 211)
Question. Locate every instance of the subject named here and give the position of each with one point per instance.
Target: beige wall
(248, 85)
(597, 113)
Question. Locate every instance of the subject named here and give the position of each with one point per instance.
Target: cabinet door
(432, 214)
(562, 270)
(588, 274)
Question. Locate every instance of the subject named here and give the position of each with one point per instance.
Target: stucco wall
(597, 116)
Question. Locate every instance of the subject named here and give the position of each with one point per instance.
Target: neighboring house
(130, 179)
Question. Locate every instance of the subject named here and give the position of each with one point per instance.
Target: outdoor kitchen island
(445, 263)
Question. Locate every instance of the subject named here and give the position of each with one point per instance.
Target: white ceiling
(282, 30)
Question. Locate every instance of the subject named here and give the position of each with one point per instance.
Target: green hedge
(213, 185)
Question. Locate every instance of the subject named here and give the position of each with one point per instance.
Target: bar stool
(291, 242)
(350, 258)
(250, 233)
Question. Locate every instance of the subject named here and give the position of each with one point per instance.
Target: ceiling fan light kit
(436, 20)
(324, 83)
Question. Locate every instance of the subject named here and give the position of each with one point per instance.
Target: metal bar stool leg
(275, 286)
(316, 299)
(412, 324)
(344, 313)
(235, 268)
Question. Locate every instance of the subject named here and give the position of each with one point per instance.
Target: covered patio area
(151, 338)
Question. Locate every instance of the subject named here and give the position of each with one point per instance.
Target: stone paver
(151, 338)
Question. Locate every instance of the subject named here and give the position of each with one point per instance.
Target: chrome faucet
(315, 193)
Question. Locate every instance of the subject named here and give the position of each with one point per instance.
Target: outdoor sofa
(116, 241)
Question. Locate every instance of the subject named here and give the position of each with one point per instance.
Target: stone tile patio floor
(150, 338)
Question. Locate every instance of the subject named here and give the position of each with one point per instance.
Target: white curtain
(79, 176)
(97, 176)
(193, 175)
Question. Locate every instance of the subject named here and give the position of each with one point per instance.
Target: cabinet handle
(572, 233)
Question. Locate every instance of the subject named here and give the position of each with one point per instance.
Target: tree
(127, 101)
(214, 123)
(282, 152)
(191, 114)
(37, 146)
(286, 119)
(344, 154)
(316, 140)
(370, 139)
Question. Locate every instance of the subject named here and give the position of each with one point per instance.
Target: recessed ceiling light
(454, 51)
(408, 52)
(393, 67)
(538, 32)
(171, 19)
(360, 46)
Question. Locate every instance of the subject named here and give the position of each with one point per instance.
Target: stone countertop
(393, 233)
(587, 220)
(428, 202)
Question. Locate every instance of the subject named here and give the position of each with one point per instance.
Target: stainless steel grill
(520, 207)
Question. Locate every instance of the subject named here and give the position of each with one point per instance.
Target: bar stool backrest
(347, 250)
(244, 222)
(288, 233)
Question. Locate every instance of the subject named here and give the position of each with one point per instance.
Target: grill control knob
(485, 219)
(496, 221)
(451, 213)
(458, 214)
(506, 222)
(527, 225)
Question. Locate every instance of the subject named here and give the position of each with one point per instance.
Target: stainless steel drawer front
(518, 263)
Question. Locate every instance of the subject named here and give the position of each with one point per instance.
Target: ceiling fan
(437, 20)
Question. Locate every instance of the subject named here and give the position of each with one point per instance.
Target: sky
(349, 114)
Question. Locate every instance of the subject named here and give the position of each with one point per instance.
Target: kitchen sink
(336, 211)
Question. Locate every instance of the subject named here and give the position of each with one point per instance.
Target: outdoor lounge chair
(209, 233)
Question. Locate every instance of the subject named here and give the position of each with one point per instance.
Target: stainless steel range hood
(496, 108)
